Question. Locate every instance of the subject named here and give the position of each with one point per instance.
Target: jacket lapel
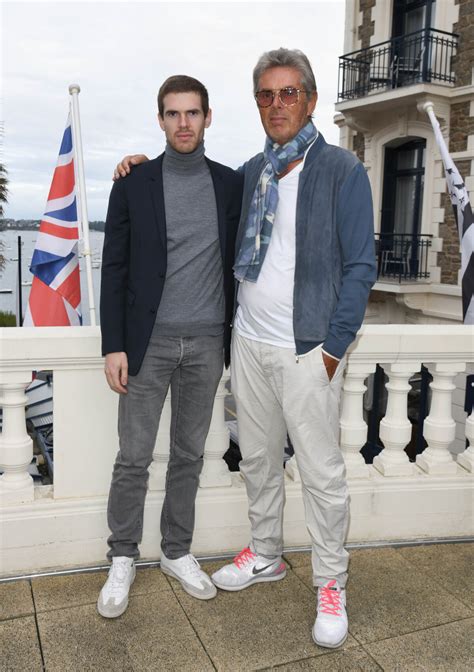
(158, 199)
(220, 205)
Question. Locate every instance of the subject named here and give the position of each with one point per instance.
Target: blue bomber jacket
(335, 252)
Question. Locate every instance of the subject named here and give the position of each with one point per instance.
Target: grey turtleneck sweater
(192, 303)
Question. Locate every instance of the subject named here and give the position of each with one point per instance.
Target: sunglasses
(287, 96)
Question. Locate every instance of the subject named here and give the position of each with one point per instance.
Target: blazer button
(152, 310)
(161, 274)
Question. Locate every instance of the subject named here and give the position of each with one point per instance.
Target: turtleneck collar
(184, 162)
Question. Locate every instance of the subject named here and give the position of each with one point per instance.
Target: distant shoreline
(33, 225)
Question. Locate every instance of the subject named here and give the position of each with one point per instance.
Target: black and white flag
(463, 215)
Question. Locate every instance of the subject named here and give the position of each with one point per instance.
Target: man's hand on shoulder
(116, 371)
(123, 168)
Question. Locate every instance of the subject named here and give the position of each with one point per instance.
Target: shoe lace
(244, 557)
(330, 599)
(190, 565)
(118, 574)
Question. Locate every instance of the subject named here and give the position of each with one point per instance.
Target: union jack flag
(55, 297)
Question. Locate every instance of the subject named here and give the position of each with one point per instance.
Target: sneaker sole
(187, 587)
(257, 579)
(108, 612)
(330, 646)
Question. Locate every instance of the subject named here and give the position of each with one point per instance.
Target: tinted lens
(289, 96)
(264, 98)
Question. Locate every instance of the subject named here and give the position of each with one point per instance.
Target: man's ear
(208, 119)
(313, 99)
(160, 121)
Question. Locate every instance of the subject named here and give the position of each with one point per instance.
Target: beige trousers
(275, 393)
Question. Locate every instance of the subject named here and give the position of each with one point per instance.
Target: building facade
(398, 55)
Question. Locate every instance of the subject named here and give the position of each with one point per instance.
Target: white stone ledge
(50, 534)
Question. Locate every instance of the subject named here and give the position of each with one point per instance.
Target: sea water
(9, 275)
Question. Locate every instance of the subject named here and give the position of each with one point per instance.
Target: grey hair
(290, 58)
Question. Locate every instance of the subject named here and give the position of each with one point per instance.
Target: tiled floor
(410, 608)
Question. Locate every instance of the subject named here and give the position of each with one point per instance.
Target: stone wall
(462, 63)
(461, 125)
(450, 258)
(358, 146)
(366, 28)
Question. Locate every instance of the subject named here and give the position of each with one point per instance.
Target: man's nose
(183, 120)
(276, 102)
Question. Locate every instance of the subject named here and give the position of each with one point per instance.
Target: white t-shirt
(265, 311)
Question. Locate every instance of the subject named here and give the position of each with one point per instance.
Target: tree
(3, 200)
(3, 187)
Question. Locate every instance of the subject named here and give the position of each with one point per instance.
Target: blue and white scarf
(265, 200)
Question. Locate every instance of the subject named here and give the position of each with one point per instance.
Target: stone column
(215, 472)
(161, 452)
(395, 428)
(439, 426)
(16, 447)
(466, 459)
(352, 423)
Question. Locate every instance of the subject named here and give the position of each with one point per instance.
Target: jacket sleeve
(115, 261)
(355, 236)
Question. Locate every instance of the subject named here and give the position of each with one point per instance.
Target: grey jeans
(191, 367)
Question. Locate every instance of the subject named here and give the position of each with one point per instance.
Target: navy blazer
(135, 252)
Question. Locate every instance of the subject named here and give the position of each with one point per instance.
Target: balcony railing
(402, 256)
(65, 524)
(423, 56)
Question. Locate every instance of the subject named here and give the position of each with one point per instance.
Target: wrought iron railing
(402, 256)
(423, 56)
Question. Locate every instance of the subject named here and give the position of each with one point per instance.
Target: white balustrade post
(215, 472)
(439, 428)
(161, 452)
(352, 423)
(395, 428)
(16, 447)
(466, 459)
(291, 469)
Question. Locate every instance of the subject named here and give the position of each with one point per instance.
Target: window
(412, 15)
(402, 251)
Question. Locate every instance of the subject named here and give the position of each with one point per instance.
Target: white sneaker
(249, 568)
(330, 627)
(113, 598)
(190, 575)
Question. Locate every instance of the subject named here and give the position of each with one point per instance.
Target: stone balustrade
(65, 524)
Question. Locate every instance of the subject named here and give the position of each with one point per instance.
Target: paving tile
(352, 660)
(387, 597)
(264, 625)
(298, 559)
(451, 565)
(153, 634)
(57, 592)
(19, 646)
(15, 599)
(445, 648)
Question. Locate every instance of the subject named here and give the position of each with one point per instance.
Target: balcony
(424, 56)
(402, 257)
(63, 525)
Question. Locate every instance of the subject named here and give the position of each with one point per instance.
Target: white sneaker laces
(190, 566)
(117, 576)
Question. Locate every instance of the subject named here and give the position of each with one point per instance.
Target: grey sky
(119, 53)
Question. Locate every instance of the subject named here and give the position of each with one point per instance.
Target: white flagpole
(74, 90)
(460, 199)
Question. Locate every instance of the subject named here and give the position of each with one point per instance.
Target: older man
(305, 265)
